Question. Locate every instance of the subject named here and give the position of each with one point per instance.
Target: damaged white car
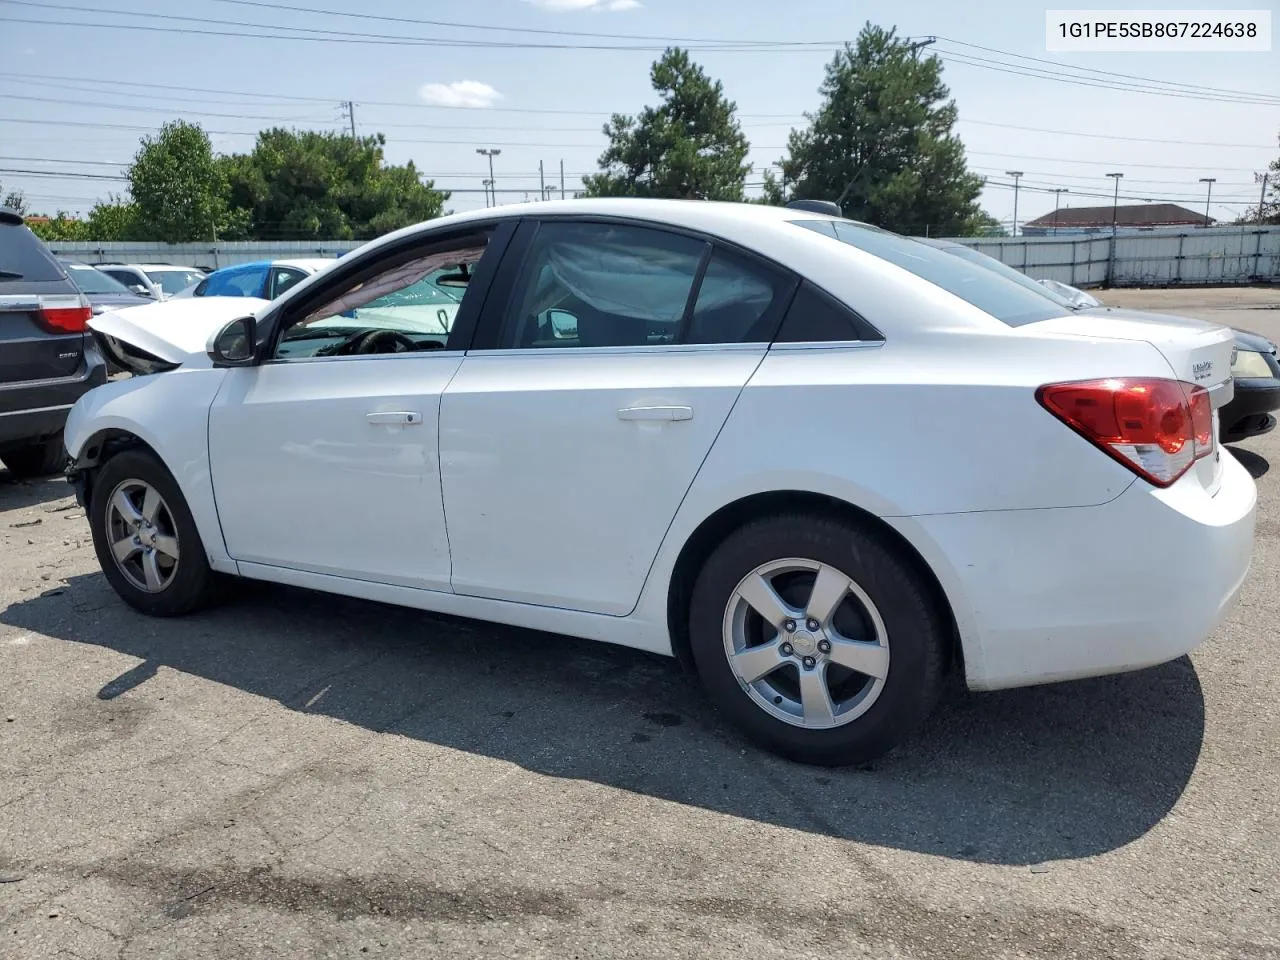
(820, 463)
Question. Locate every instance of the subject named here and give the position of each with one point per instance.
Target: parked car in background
(48, 359)
(159, 281)
(263, 278)
(1255, 367)
(821, 463)
(104, 292)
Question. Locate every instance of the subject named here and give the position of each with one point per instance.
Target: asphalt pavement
(300, 775)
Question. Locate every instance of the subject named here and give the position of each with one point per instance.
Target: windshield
(1008, 300)
(173, 281)
(90, 280)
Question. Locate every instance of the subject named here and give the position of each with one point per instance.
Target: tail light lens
(64, 314)
(1157, 428)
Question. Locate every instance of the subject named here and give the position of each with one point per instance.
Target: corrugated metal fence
(1230, 255)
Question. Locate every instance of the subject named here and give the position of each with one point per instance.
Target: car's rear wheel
(817, 638)
(37, 459)
(146, 539)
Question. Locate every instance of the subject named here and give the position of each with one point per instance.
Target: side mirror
(232, 346)
(139, 289)
(564, 325)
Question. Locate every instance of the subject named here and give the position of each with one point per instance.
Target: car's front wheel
(145, 537)
(817, 638)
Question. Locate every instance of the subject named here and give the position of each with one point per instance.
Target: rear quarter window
(1009, 302)
(25, 259)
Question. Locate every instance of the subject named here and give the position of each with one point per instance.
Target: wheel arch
(713, 530)
(100, 447)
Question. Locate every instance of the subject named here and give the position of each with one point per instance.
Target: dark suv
(47, 356)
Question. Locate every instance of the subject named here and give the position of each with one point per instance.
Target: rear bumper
(38, 408)
(1049, 595)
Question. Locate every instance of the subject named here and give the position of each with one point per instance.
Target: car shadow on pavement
(1018, 777)
(16, 494)
(1255, 463)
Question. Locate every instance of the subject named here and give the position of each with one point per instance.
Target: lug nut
(787, 650)
(809, 663)
(812, 624)
(824, 646)
(789, 626)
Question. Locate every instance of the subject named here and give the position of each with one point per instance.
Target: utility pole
(562, 180)
(488, 185)
(490, 152)
(1262, 197)
(542, 183)
(1017, 175)
(1208, 194)
(1057, 198)
(351, 115)
(1115, 208)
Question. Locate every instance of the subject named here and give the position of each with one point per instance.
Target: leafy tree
(15, 200)
(1268, 209)
(116, 218)
(689, 147)
(302, 185)
(177, 186)
(61, 226)
(881, 143)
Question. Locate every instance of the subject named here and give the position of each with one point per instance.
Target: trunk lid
(1197, 351)
(29, 351)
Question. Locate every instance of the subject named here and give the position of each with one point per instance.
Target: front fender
(167, 412)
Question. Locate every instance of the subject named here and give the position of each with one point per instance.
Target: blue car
(266, 279)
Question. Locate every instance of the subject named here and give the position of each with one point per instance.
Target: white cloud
(461, 93)
(563, 6)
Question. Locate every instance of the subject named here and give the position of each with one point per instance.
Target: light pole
(1208, 193)
(1057, 198)
(490, 152)
(1115, 201)
(488, 186)
(1017, 175)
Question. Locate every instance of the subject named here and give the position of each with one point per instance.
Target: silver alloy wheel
(142, 535)
(806, 643)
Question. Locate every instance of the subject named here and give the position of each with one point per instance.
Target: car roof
(310, 264)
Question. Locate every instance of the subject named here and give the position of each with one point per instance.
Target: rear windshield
(90, 280)
(173, 281)
(23, 258)
(1008, 301)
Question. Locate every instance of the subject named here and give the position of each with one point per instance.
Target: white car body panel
(560, 516)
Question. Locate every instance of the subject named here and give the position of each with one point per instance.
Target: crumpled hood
(175, 331)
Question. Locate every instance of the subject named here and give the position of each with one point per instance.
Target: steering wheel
(382, 341)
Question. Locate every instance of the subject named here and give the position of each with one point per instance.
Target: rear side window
(817, 317)
(739, 301)
(1011, 303)
(24, 259)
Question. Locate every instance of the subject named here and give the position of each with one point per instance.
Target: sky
(74, 99)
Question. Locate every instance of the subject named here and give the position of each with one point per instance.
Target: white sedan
(821, 463)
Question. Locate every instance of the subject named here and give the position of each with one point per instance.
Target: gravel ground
(297, 775)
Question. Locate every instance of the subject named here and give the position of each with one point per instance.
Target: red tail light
(1157, 428)
(64, 314)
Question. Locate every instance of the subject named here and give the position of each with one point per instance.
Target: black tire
(41, 458)
(916, 629)
(194, 584)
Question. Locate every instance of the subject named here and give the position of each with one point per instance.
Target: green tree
(304, 185)
(881, 143)
(689, 147)
(1267, 210)
(61, 226)
(15, 200)
(177, 186)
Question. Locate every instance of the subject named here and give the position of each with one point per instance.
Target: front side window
(1008, 301)
(282, 279)
(409, 307)
(602, 285)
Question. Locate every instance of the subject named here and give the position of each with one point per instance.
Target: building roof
(1126, 215)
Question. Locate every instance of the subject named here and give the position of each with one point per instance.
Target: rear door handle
(404, 417)
(656, 413)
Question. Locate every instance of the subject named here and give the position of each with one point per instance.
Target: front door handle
(402, 417)
(656, 413)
